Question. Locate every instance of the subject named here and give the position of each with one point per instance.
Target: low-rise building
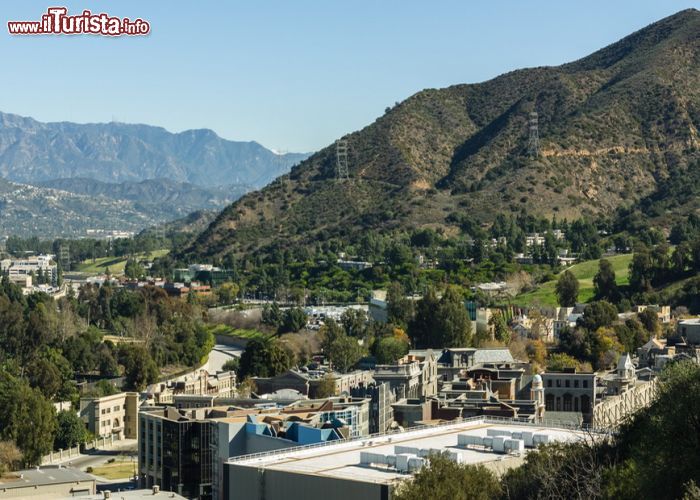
(689, 329)
(415, 376)
(570, 392)
(370, 469)
(183, 450)
(309, 382)
(42, 269)
(47, 482)
(114, 415)
(200, 383)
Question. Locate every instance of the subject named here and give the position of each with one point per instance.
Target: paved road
(99, 457)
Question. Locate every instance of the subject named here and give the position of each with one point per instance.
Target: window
(585, 384)
(567, 383)
(558, 383)
(575, 383)
(549, 383)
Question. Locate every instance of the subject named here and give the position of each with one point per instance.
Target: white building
(370, 468)
(18, 270)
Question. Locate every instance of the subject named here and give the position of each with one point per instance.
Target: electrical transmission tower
(341, 157)
(533, 143)
(64, 257)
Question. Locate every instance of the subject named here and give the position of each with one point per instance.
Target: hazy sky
(295, 74)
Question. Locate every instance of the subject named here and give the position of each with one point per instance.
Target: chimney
(107, 494)
(156, 489)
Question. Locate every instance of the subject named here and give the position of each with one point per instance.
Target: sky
(293, 75)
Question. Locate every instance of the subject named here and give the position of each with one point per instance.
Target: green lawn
(116, 264)
(121, 469)
(230, 331)
(584, 272)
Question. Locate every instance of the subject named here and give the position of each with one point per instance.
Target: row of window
(567, 383)
(115, 409)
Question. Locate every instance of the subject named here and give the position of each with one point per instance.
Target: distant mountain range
(617, 129)
(31, 151)
(59, 179)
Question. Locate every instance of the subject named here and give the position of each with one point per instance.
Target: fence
(103, 443)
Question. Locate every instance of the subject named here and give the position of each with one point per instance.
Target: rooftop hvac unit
(415, 464)
(514, 446)
(406, 449)
(468, 440)
(498, 444)
(540, 439)
(402, 461)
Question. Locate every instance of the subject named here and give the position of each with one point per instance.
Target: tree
(536, 352)
(567, 289)
(501, 332)
(453, 320)
(641, 271)
(263, 358)
(133, 270)
(344, 353)
(650, 320)
(71, 430)
(423, 327)
(399, 308)
(139, 368)
(272, 315)
(388, 350)
(10, 456)
(445, 479)
(293, 320)
(27, 418)
(328, 333)
(441, 322)
(228, 292)
(598, 314)
(232, 364)
(660, 443)
(326, 387)
(559, 362)
(354, 322)
(604, 282)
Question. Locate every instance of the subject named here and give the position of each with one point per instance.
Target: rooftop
(43, 476)
(134, 494)
(343, 460)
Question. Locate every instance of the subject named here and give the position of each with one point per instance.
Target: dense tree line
(46, 345)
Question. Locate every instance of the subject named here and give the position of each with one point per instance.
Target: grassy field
(230, 331)
(116, 264)
(584, 272)
(120, 469)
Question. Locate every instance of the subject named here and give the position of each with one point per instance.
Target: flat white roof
(342, 460)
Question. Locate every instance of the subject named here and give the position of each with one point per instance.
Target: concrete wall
(256, 443)
(250, 483)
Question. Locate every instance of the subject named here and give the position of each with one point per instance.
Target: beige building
(201, 383)
(111, 415)
(413, 377)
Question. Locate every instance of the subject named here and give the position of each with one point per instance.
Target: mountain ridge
(33, 151)
(612, 126)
